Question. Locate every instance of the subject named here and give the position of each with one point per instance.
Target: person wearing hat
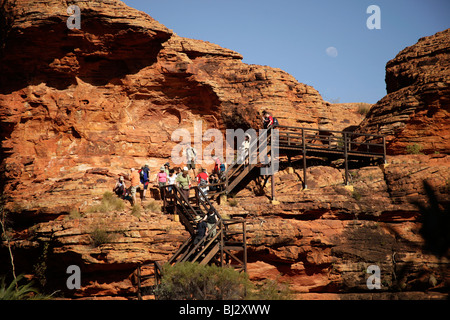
(167, 168)
(202, 229)
(184, 182)
(161, 179)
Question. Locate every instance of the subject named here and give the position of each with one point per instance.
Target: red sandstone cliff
(79, 107)
(416, 110)
(109, 96)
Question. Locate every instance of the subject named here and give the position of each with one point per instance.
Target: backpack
(203, 182)
(275, 122)
(193, 153)
(222, 167)
(144, 175)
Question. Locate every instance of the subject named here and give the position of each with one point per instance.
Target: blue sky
(293, 35)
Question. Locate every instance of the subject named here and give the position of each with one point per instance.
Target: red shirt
(202, 175)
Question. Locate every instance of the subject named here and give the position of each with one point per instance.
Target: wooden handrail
(333, 131)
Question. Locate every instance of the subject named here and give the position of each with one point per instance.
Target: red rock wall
(79, 107)
(110, 95)
(416, 109)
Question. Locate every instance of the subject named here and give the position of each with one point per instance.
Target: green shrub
(191, 281)
(14, 291)
(232, 202)
(136, 210)
(153, 206)
(356, 195)
(100, 236)
(109, 203)
(364, 108)
(414, 149)
(270, 290)
(74, 214)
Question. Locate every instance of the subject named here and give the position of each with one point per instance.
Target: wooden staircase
(227, 247)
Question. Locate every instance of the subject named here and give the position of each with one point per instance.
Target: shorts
(145, 185)
(133, 190)
(191, 165)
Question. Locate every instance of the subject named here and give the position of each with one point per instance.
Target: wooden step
(210, 254)
(233, 248)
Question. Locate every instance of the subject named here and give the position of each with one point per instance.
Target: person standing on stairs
(171, 179)
(211, 220)
(184, 182)
(267, 119)
(244, 150)
(202, 229)
(191, 155)
(161, 179)
(202, 182)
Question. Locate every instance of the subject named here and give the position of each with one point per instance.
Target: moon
(331, 52)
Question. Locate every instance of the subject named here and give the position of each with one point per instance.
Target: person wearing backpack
(202, 229)
(144, 174)
(191, 155)
(211, 220)
(202, 181)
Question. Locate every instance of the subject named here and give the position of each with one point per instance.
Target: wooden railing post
(244, 240)
(221, 229)
(304, 158)
(346, 157)
(350, 143)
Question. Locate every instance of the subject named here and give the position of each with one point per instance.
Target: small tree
(191, 281)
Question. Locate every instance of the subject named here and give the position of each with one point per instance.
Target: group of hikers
(140, 178)
(167, 176)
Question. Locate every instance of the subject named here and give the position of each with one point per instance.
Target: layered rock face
(323, 239)
(415, 111)
(80, 107)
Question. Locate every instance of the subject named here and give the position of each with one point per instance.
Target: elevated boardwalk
(225, 243)
(294, 141)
